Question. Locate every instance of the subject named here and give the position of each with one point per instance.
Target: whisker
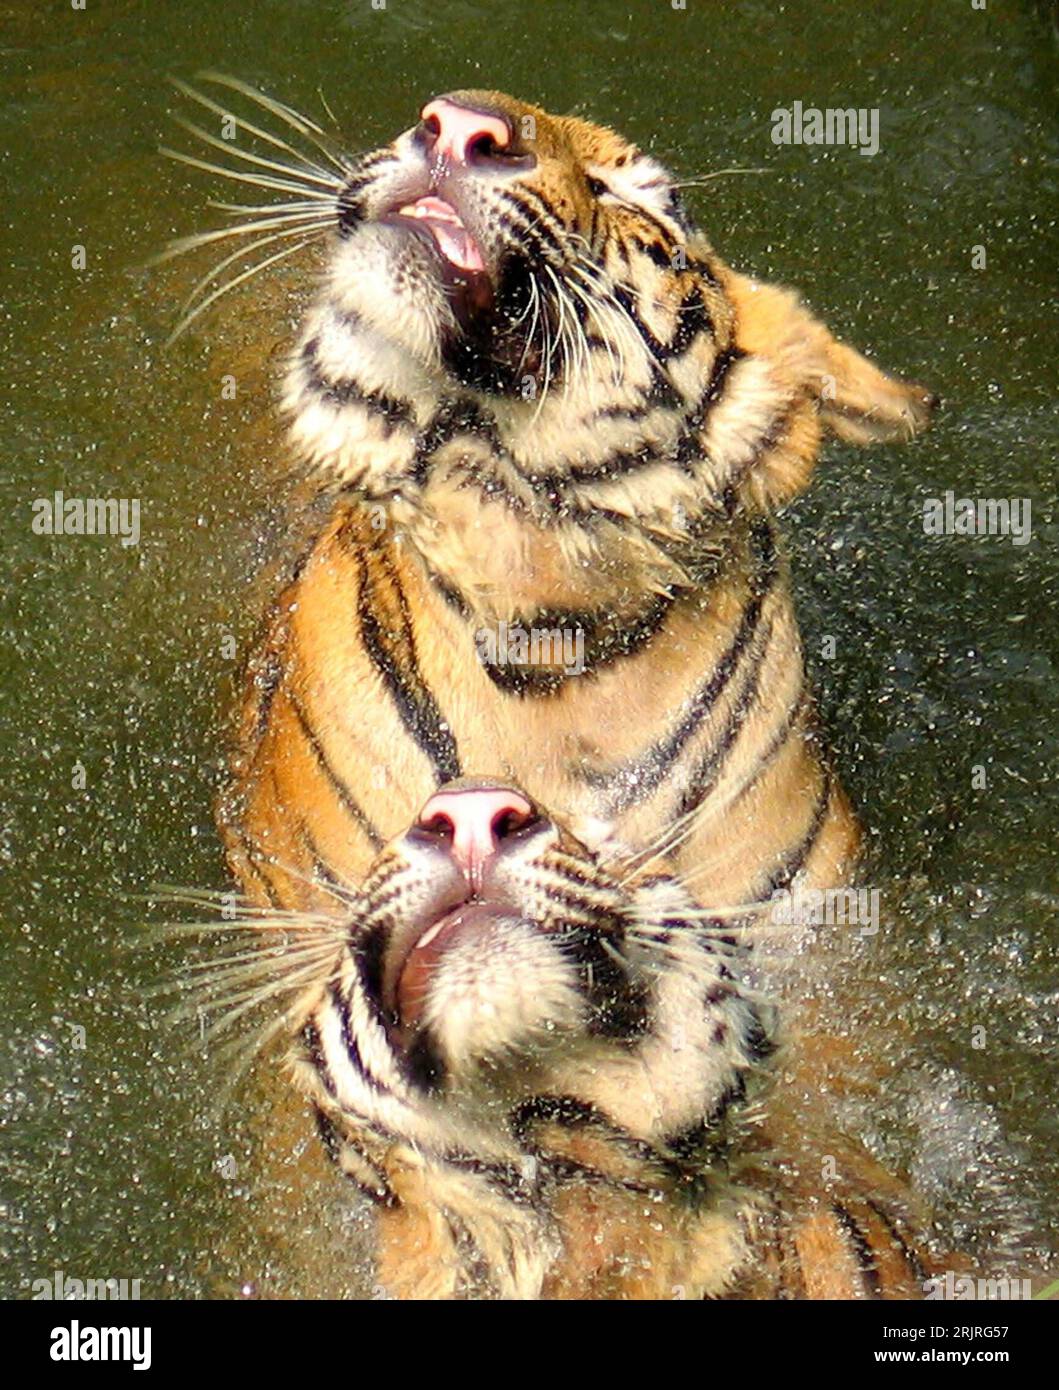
(249, 918)
(219, 898)
(264, 208)
(238, 1003)
(717, 174)
(274, 140)
(349, 897)
(306, 175)
(190, 317)
(302, 124)
(326, 105)
(237, 255)
(183, 245)
(260, 180)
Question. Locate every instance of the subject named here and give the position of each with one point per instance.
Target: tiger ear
(856, 401)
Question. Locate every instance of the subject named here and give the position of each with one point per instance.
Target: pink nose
(478, 819)
(460, 132)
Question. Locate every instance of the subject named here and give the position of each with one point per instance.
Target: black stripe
(415, 703)
(321, 869)
(705, 1141)
(255, 862)
(616, 465)
(496, 490)
(455, 417)
(570, 1113)
(325, 1127)
(633, 781)
(349, 1043)
(348, 391)
(350, 211)
(505, 1176)
(451, 593)
(627, 299)
(861, 1250)
(267, 677)
(911, 1258)
(562, 1170)
(526, 202)
(315, 1053)
(618, 1005)
(337, 784)
(259, 668)
(561, 1110)
(656, 251)
(631, 413)
(710, 767)
(774, 434)
(776, 744)
(369, 955)
(689, 445)
(423, 1064)
(662, 392)
(704, 270)
(693, 320)
(345, 317)
(377, 1188)
(335, 1145)
(607, 638)
(781, 880)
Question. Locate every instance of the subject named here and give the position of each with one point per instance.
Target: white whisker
(302, 124)
(250, 128)
(237, 255)
(302, 220)
(268, 209)
(190, 317)
(717, 174)
(307, 175)
(260, 180)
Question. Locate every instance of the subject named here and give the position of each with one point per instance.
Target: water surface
(114, 657)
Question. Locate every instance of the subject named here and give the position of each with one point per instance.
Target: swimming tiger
(527, 742)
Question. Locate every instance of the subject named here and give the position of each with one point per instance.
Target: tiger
(536, 411)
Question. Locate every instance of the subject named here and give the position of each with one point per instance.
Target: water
(945, 652)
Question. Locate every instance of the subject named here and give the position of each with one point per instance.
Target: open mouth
(452, 239)
(416, 961)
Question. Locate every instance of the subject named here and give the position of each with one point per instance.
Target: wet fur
(632, 495)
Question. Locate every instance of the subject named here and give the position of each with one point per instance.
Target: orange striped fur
(590, 433)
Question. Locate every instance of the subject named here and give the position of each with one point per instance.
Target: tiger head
(465, 241)
(516, 304)
(514, 1027)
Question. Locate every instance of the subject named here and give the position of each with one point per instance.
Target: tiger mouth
(452, 240)
(417, 963)
(469, 286)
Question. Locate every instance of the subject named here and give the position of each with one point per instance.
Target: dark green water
(946, 649)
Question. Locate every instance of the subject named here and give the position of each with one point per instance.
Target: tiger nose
(460, 132)
(475, 822)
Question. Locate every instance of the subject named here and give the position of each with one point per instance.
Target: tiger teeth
(446, 226)
(428, 214)
(429, 935)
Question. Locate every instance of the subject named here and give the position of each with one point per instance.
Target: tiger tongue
(457, 246)
(474, 920)
(453, 239)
